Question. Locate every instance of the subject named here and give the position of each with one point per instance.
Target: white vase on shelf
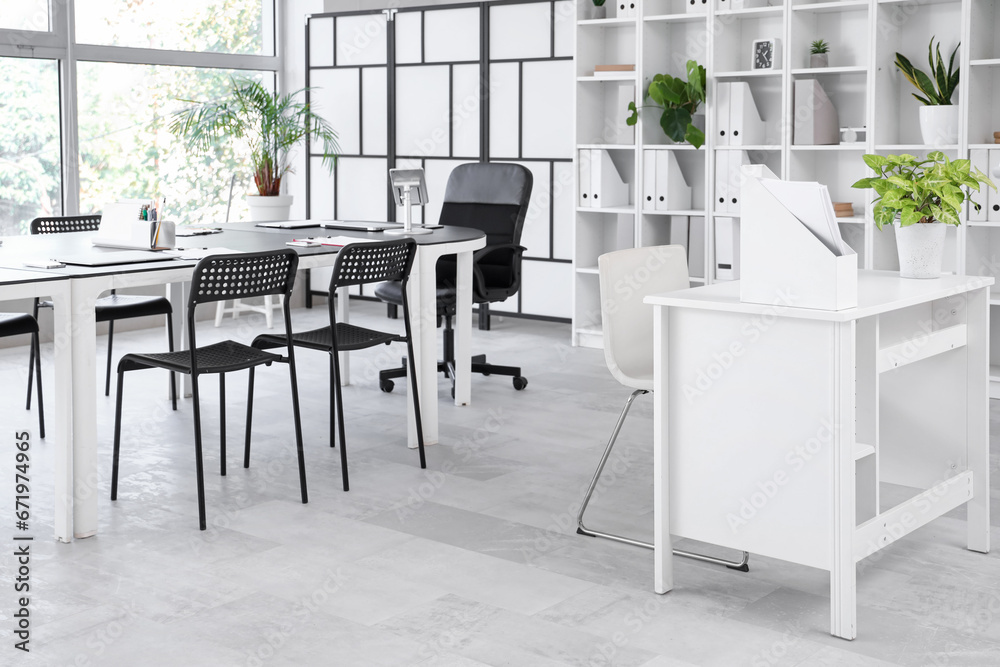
(939, 124)
(269, 209)
(592, 11)
(921, 248)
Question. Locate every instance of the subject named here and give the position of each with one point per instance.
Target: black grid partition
(438, 86)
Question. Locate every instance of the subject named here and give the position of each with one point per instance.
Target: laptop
(360, 225)
(289, 224)
(112, 258)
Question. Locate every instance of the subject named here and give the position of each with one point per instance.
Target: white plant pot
(819, 60)
(269, 209)
(920, 248)
(591, 11)
(939, 124)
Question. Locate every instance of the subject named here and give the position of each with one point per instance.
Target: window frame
(59, 44)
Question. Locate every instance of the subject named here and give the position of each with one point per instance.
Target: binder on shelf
(627, 9)
(993, 198)
(791, 252)
(727, 248)
(699, 6)
(721, 201)
(625, 133)
(980, 159)
(584, 165)
(816, 122)
(696, 250)
(679, 231)
(672, 192)
(737, 160)
(607, 188)
(747, 4)
(745, 125)
(722, 117)
(649, 180)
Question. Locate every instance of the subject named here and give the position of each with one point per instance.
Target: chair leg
(220, 310)
(170, 347)
(297, 417)
(222, 424)
(246, 446)
(581, 529)
(268, 311)
(118, 435)
(484, 317)
(107, 375)
(31, 360)
(198, 462)
(392, 311)
(333, 404)
(36, 346)
(416, 400)
(339, 394)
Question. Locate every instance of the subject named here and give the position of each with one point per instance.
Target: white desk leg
(843, 568)
(344, 315)
(663, 553)
(978, 415)
(422, 297)
(62, 393)
(463, 329)
(177, 295)
(84, 344)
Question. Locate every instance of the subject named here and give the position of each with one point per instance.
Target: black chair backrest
(243, 275)
(66, 223)
(492, 197)
(367, 263)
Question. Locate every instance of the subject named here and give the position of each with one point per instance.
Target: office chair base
(740, 565)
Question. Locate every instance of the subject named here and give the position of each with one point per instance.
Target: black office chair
(219, 277)
(108, 308)
(16, 324)
(357, 264)
(492, 197)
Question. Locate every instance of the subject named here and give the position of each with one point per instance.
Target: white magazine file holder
(782, 262)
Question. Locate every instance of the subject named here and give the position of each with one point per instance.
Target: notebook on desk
(289, 224)
(360, 225)
(112, 258)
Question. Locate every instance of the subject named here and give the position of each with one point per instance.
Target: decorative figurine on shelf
(819, 52)
(679, 100)
(766, 54)
(938, 116)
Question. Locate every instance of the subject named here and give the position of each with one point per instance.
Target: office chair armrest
(479, 281)
(483, 252)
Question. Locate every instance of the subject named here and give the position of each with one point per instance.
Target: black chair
(109, 308)
(357, 264)
(16, 324)
(492, 197)
(219, 277)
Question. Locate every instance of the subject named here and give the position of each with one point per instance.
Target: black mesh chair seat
(392, 292)
(349, 338)
(127, 306)
(13, 324)
(217, 358)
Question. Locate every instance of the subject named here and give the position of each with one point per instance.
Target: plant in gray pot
(819, 53)
(922, 195)
(271, 124)
(597, 10)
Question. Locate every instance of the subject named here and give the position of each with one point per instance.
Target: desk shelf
(922, 346)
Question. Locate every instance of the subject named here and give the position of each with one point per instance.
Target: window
(220, 26)
(127, 150)
(24, 15)
(30, 162)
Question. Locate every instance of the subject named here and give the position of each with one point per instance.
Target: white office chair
(627, 276)
(267, 309)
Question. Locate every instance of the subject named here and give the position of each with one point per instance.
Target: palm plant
(946, 81)
(271, 124)
(818, 47)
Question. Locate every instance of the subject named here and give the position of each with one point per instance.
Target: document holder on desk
(782, 261)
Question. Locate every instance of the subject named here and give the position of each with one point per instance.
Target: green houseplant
(679, 100)
(819, 52)
(924, 195)
(271, 124)
(938, 117)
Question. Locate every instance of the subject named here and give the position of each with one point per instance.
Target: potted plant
(819, 52)
(938, 116)
(923, 196)
(679, 101)
(597, 10)
(271, 124)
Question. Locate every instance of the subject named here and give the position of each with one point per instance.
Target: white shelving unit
(861, 81)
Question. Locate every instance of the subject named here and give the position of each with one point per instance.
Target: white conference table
(774, 426)
(75, 289)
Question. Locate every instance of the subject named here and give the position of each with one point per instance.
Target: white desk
(773, 425)
(76, 289)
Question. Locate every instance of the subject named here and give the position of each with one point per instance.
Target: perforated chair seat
(349, 338)
(392, 292)
(216, 358)
(14, 324)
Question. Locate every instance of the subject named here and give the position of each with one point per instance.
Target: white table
(774, 425)
(77, 289)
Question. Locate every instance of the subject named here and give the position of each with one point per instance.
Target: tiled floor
(474, 561)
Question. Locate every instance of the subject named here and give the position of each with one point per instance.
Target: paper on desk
(199, 253)
(810, 203)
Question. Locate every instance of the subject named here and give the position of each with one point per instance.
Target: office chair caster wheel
(520, 383)
(386, 386)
